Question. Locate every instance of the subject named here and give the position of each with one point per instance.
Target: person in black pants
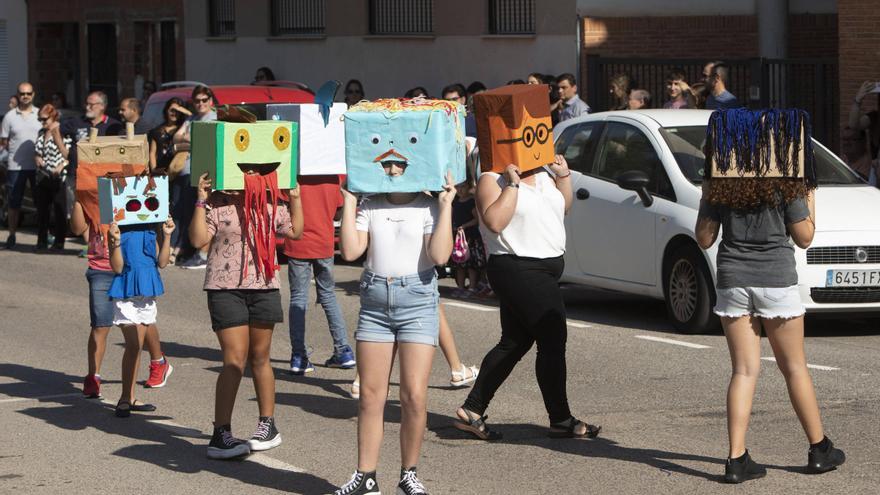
(52, 151)
(523, 230)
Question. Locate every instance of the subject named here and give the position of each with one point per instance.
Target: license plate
(852, 278)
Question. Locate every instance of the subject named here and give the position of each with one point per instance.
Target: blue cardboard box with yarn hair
(423, 138)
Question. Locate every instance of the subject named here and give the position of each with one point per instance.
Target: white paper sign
(321, 148)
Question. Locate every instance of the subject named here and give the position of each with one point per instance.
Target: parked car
(636, 181)
(253, 97)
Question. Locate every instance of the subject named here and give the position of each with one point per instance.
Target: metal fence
(810, 84)
(401, 16)
(512, 16)
(292, 17)
(221, 17)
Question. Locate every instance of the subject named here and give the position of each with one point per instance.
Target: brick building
(859, 50)
(109, 45)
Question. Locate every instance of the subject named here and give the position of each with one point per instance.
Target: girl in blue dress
(134, 256)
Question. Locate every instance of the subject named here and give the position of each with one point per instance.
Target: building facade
(13, 47)
(109, 45)
(389, 45)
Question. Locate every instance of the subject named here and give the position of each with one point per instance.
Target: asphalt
(661, 404)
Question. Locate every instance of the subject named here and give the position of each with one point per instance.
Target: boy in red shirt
(314, 252)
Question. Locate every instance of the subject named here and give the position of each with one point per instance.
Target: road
(658, 395)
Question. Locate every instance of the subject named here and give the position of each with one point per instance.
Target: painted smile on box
(258, 168)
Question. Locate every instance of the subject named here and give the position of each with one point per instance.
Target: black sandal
(476, 426)
(123, 412)
(566, 429)
(141, 407)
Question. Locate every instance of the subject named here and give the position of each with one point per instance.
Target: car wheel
(688, 291)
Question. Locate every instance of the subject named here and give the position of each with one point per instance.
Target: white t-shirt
(397, 234)
(537, 229)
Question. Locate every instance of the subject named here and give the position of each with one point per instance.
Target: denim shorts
(15, 184)
(763, 302)
(399, 309)
(239, 307)
(101, 307)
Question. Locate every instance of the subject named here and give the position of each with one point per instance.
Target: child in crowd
(404, 235)
(134, 257)
(470, 264)
(244, 300)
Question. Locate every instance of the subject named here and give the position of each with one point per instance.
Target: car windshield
(686, 144)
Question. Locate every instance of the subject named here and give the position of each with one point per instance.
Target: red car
(252, 97)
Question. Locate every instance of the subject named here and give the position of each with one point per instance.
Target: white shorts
(763, 302)
(134, 311)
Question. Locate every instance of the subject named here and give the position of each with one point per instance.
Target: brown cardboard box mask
(514, 126)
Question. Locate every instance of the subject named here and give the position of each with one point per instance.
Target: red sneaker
(159, 374)
(92, 386)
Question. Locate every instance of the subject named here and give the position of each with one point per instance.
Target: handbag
(460, 251)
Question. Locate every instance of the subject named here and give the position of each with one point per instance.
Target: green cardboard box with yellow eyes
(229, 150)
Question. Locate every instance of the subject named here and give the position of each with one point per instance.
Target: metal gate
(810, 84)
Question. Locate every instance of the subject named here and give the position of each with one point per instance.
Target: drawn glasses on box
(530, 135)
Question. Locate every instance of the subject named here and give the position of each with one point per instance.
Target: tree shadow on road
(601, 447)
(181, 450)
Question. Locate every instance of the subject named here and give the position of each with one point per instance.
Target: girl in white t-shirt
(404, 235)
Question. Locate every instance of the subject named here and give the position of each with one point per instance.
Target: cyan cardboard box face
(321, 144)
(426, 138)
(133, 200)
(225, 150)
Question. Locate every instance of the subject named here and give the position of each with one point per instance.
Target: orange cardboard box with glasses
(514, 127)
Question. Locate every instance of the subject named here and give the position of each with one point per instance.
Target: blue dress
(140, 274)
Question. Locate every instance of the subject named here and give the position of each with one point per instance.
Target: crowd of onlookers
(40, 143)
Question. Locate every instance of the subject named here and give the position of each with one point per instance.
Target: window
(577, 143)
(401, 16)
(627, 148)
(221, 17)
(293, 17)
(512, 16)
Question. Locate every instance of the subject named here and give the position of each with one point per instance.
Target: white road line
(25, 399)
(270, 462)
(578, 324)
(811, 366)
(471, 306)
(674, 342)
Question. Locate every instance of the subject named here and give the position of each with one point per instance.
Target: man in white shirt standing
(572, 105)
(18, 133)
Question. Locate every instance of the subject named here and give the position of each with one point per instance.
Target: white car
(636, 179)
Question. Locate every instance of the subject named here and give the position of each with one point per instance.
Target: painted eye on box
(133, 205)
(281, 139)
(151, 203)
(413, 138)
(242, 139)
(375, 138)
(528, 137)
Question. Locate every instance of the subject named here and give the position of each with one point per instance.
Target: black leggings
(50, 197)
(531, 311)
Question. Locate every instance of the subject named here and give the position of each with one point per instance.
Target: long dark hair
(172, 101)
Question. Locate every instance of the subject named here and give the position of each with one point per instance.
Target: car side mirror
(637, 181)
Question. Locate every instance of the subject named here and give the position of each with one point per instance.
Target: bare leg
(12, 220)
(744, 341)
(473, 279)
(234, 343)
(415, 367)
(261, 367)
(460, 274)
(134, 341)
(151, 341)
(374, 366)
(96, 348)
(447, 342)
(787, 339)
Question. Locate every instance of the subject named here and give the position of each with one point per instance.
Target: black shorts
(235, 308)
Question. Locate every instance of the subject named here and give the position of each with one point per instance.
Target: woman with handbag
(468, 254)
(51, 197)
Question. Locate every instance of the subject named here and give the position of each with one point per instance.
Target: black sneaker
(743, 468)
(360, 484)
(410, 484)
(824, 457)
(266, 437)
(225, 446)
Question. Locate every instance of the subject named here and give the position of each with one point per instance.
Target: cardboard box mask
(99, 156)
(425, 136)
(133, 200)
(514, 126)
(225, 149)
(321, 145)
(782, 146)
